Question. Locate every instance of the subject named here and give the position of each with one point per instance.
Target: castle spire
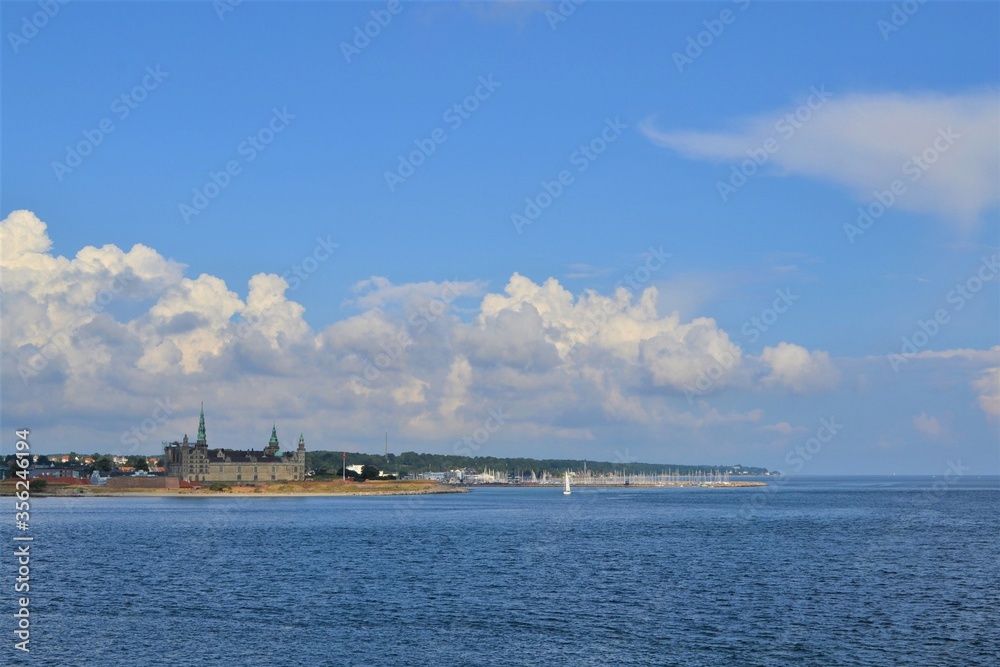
(201, 426)
(272, 444)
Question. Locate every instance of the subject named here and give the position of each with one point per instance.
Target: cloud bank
(569, 369)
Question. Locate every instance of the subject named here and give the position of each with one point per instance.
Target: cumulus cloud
(797, 369)
(272, 314)
(69, 287)
(564, 363)
(568, 368)
(623, 330)
(866, 141)
(988, 387)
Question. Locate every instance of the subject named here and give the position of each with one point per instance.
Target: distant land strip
(412, 463)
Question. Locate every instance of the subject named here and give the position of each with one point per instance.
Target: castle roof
(245, 456)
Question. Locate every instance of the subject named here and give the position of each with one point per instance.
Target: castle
(199, 463)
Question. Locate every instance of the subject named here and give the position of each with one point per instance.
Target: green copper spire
(272, 444)
(201, 426)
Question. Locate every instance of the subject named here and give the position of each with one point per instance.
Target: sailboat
(566, 489)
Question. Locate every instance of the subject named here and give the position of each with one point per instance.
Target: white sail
(566, 490)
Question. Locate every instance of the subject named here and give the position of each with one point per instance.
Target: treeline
(103, 463)
(412, 463)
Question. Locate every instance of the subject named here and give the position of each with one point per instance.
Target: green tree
(103, 464)
(369, 472)
(350, 474)
(10, 466)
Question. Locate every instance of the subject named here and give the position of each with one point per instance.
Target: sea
(840, 571)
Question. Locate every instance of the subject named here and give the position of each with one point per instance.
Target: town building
(200, 463)
(75, 472)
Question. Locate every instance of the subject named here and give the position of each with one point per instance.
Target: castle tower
(202, 441)
(272, 444)
(300, 458)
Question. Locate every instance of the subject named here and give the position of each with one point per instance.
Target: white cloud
(988, 387)
(781, 428)
(928, 425)
(991, 355)
(666, 351)
(68, 288)
(568, 368)
(269, 312)
(379, 292)
(585, 271)
(565, 364)
(194, 316)
(797, 369)
(866, 141)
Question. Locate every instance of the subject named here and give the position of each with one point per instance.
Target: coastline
(339, 488)
(287, 490)
(632, 485)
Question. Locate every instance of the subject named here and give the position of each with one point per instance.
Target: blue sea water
(809, 571)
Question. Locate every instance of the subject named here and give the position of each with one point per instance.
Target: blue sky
(527, 320)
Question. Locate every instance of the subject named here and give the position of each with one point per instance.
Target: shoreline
(288, 490)
(336, 489)
(637, 485)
